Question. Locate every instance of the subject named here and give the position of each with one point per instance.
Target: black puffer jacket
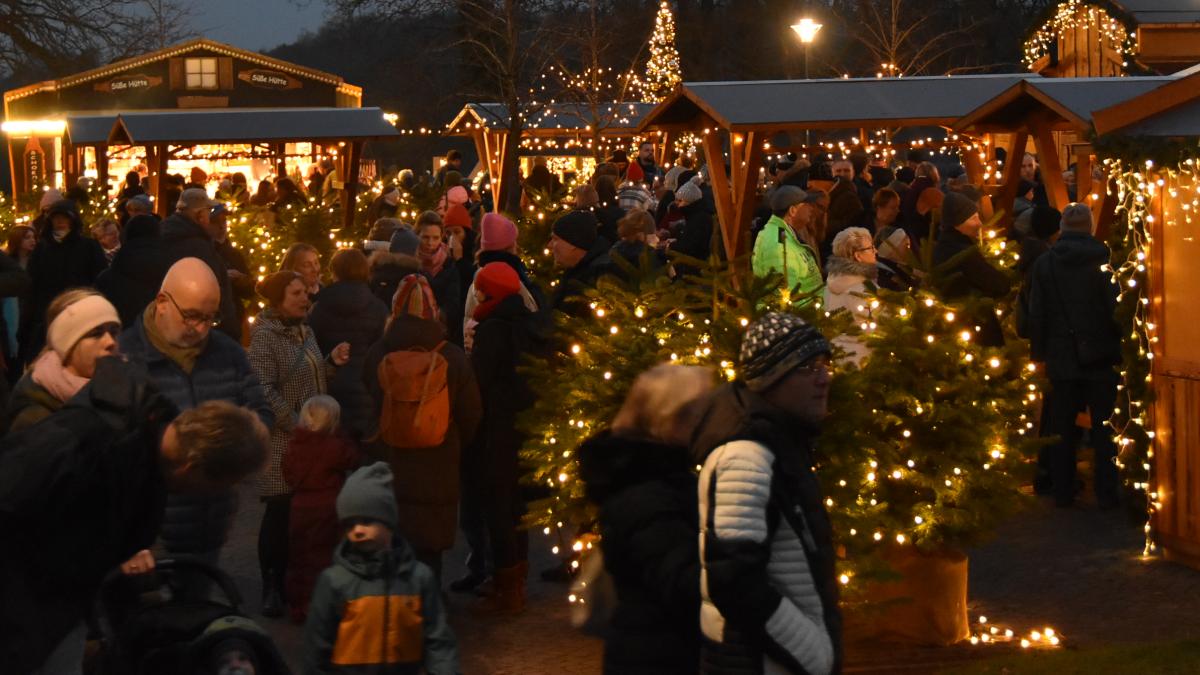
(56, 266)
(182, 238)
(646, 493)
(137, 270)
(970, 277)
(81, 492)
(569, 294)
(347, 311)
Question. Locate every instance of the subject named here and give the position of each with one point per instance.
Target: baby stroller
(167, 623)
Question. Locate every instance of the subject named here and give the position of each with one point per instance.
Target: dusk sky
(257, 24)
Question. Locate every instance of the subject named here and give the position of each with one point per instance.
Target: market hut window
(201, 73)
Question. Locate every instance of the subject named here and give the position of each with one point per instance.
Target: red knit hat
(498, 282)
(496, 232)
(414, 297)
(634, 173)
(457, 215)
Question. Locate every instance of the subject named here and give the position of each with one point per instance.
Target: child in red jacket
(315, 464)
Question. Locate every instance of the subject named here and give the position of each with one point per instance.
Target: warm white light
(807, 30)
(33, 127)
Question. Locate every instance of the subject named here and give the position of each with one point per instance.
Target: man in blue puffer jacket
(190, 363)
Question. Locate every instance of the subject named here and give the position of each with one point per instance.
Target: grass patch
(1161, 658)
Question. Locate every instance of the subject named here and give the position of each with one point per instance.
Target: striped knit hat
(776, 344)
(414, 297)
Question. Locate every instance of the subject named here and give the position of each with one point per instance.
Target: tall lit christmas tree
(662, 70)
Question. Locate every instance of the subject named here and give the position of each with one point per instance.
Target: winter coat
(54, 267)
(15, 284)
(893, 276)
(846, 285)
(449, 298)
(427, 479)
(378, 613)
(183, 238)
(769, 596)
(803, 273)
(132, 281)
(502, 341)
(291, 368)
(913, 222)
(29, 403)
(1032, 248)
(243, 288)
(531, 293)
(646, 494)
(315, 466)
(606, 218)
(1072, 302)
(198, 524)
(347, 311)
(387, 271)
(696, 238)
(972, 276)
(845, 210)
(80, 493)
(569, 295)
(633, 252)
(466, 264)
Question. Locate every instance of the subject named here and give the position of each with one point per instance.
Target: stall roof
(831, 103)
(1171, 109)
(1162, 11)
(1071, 99)
(90, 129)
(254, 124)
(558, 117)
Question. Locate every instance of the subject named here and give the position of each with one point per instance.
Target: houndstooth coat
(292, 370)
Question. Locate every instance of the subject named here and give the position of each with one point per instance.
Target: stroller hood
(201, 652)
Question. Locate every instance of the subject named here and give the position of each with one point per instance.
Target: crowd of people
(374, 402)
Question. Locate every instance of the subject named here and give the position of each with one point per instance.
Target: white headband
(77, 320)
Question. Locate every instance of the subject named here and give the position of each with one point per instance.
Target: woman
(463, 243)
(19, 247)
(426, 478)
(265, 195)
(893, 258)
(696, 236)
(83, 327)
(850, 280)
(505, 334)
(287, 359)
(287, 196)
(131, 282)
(437, 266)
(305, 260)
(347, 311)
(638, 240)
(20, 244)
(641, 476)
(498, 243)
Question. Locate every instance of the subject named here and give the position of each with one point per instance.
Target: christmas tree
(662, 70)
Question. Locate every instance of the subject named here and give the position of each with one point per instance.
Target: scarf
(50, 373)
(184, 357)
(432, 263)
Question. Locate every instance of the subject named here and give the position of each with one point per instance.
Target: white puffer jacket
(742, 471)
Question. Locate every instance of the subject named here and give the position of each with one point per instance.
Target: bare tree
(908, 41)
(168, 21)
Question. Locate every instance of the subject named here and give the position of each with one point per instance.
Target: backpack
(416, 398)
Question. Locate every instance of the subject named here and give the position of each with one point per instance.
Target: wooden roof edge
(682, 92)
(452, 128)
(990, 106)
(777, 127)
(1154, 102)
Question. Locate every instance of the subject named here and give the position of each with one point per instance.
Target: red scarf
(432, 263)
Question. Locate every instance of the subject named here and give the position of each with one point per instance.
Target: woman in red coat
(315, 464)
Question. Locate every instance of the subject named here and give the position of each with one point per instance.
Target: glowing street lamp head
(807, 30)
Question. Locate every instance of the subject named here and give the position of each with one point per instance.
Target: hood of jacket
(1079, 250)
(347, 299)
(844, 274)
(399, 559)
(733, 412)
(610, 463)
(409, 331)
(141, 260)
(179, 226)
(67, 208)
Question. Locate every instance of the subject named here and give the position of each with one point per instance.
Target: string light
(1075, 14)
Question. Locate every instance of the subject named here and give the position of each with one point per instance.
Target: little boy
(376, 609)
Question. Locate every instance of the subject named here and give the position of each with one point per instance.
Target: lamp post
(807, 30)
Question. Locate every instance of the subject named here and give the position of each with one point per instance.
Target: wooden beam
(744, 195)
(1012, 177)
(1052, 178)
(350, 186)
(158, 173)
(722, 194)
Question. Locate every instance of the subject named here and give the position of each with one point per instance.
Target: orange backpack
(416, 398)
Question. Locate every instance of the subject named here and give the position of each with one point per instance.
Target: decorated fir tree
(662, 69)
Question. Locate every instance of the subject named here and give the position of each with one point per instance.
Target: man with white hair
(190, 364)
(190, 233)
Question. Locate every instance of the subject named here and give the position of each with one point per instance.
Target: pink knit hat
(457, 195)
(498, 232)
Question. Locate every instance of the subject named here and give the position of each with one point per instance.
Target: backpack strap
(433, 354)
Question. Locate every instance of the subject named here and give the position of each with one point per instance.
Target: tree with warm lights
(663, 72)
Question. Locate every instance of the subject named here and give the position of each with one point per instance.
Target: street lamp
(807, 30)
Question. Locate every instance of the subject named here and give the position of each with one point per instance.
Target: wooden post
(102, 164)
(481, 150)
(350, 186)
(974, 169)
(159, 169)
(664, 147)
(1052, 178)
(722, 194)
(745, 193)
(1012, 177)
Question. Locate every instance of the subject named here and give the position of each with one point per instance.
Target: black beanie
(1044, 221)
(577, 228)
(957, 208)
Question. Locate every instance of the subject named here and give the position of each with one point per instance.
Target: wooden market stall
(571, 133)
(1162, 198)
(737, 120)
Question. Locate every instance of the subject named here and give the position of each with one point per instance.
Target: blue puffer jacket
(198, 524)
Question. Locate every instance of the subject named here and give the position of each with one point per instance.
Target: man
(1073, 332)
(1030, 174)
(845, 207)
(238, 268)
(108, 235)
(864, 179)
(138, 205)
(583, 254)
(453, 163)
(768, 593)
(785, 245)
(969, 275)
(190, 233)
(645, 159)
(189, 364)
(885, 210)
(83, 491)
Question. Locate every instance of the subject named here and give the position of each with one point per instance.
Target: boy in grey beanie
(376, 592)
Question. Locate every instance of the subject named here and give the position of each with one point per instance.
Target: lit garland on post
(1072, 14)
(662, 70)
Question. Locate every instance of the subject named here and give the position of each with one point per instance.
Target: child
(377, 609)
(315, 466)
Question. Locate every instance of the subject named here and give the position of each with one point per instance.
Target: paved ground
(1078, 570)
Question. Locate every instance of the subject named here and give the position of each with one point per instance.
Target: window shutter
(225, 73)
(178, 77)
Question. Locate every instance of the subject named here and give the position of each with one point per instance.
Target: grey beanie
(689, 192)
(1077, 217)
(776, 344)
(368, 494)
(957, 209)
(404, 241)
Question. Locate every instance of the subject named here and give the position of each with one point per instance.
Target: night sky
(257, 25)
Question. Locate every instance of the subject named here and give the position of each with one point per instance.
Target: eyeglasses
(112, 329)
(193, 318)
(868, 248)
(824, 366)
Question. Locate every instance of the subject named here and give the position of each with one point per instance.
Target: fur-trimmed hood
(843, 273)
